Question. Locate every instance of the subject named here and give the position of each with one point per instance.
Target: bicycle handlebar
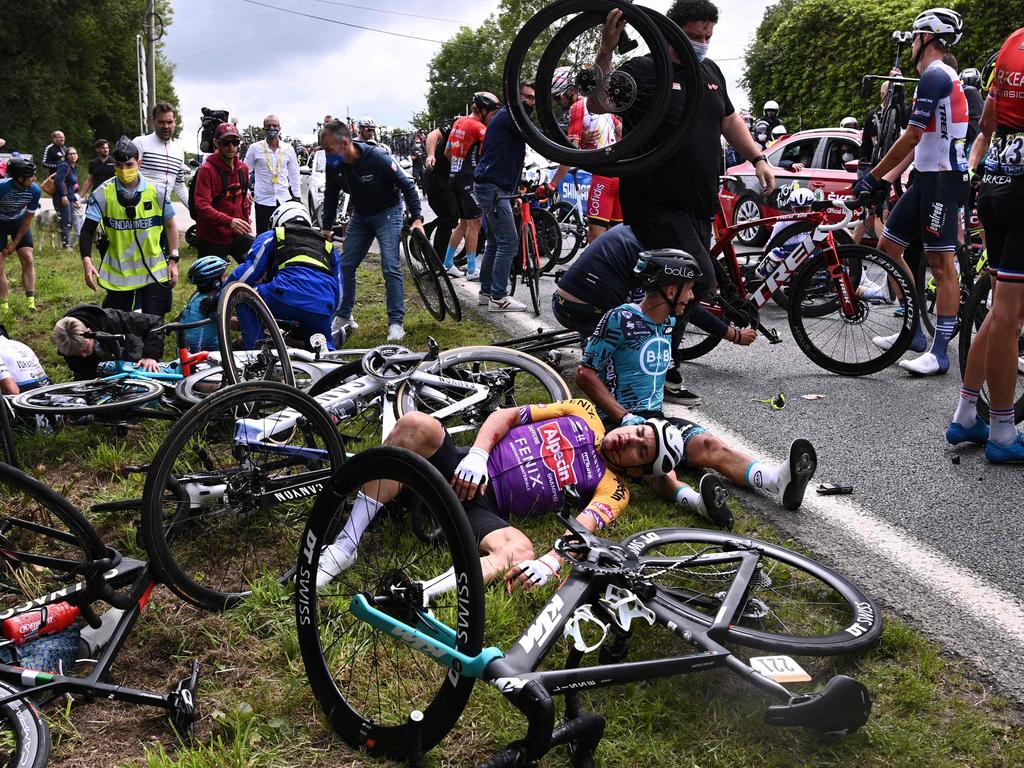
(178, 326)
(850, 206)
(103, 336)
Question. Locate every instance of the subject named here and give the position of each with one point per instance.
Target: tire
(531, 275)
(793, 604)
(499, 368)
(695, 341)
(197, 387)
(24, 736)
(781, 296)
(345, 657)
(573, 230)
(926, 296)
(748, 209)
(250, 499)
(974, 315)
(449, 298)
(97, 396)
(549, 238)
(843, 345)
(424, 276)
(269, 360)
(8, 443)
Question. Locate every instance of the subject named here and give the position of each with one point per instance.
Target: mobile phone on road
(834, 489)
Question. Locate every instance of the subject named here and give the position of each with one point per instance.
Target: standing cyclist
(19, 201)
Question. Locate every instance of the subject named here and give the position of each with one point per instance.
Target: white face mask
(701, 49)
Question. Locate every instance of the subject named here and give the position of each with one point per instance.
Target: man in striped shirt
(163, 158)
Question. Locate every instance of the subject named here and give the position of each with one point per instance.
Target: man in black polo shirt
(673, 205)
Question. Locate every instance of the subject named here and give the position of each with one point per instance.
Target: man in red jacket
(221, 199)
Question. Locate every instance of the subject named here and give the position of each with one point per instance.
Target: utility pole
(151, 38)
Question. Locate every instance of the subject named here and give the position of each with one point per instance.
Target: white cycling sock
(967, 408)
(1001, 428)
(364, 509)
(763, 476)
(688, 496)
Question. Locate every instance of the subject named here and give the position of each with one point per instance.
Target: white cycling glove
(541, 571)
(473, 467)
(631, 419)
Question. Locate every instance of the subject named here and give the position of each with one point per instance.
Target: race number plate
(781, 669)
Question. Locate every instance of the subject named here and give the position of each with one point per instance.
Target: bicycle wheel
(695, 341)
(844, 344)
(265, 357)
(531, 274)
(24, 735)
(97, 396)
(10, 447)
(573, 231)
(510, 379)
(367, 681)
(197, 387)
(230, 487)
(781, 296)
(927, 295)
(424, 276)
(974, 315)
(793, 604)
(549, 238)
(449, 298)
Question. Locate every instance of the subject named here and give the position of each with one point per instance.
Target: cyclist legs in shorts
(26, 254)
(469, 223)
(575, 315)
(603, 208)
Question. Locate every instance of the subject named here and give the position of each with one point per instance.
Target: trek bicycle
(894, 106)
(57, 575)
(230, 487)
(839, 296)
(402, 629)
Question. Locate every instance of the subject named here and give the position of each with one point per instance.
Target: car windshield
(319, 162)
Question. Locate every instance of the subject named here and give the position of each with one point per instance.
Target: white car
(312, 183)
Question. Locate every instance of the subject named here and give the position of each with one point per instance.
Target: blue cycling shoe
(997, 453)
(977, 434)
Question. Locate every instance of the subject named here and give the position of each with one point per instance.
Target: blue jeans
(386, 226)
(502, 239)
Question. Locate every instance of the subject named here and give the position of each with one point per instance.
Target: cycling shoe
(796, 473)
(977, 434)
(333, 561)
(918, 343)
(714, 502)
(925, 365)
(997, 453)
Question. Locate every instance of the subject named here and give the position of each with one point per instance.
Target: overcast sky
(254, 60)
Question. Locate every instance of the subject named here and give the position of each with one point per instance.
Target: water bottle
(770, 262)
(47, 620)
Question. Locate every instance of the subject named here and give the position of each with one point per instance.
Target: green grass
(256, 706)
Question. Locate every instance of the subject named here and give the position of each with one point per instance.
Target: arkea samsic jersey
(553, 447)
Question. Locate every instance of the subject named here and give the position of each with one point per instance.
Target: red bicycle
(534, 242)
(839, 296)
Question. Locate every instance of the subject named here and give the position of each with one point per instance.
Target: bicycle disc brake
(622, 91)
(588, 80)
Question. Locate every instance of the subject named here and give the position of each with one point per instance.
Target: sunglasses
(232, 142)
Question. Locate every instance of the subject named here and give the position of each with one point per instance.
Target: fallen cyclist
(143, 343)
(623, 372)
(523, 463)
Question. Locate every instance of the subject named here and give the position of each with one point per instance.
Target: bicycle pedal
(182, 702)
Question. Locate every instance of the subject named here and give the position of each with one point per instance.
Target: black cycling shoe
(714, 498)
(796, 473)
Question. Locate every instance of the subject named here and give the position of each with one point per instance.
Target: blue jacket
(374, 180)
(66, 181)
(501, 160)
(302, 287)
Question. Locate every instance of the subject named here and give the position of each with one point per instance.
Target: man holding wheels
(524, 462)
(623, 373)
(929, 209)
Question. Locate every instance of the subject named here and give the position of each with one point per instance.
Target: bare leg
(417, 432)
(1006, 318)
(472, 234)
(501, 549)
(594, 231)
(458, 233)
(708, 451)
(4, 287)
(28, 270)
(975, 373)
(947, 300)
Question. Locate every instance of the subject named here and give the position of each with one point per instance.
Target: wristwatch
(175, 257)
(758, 159)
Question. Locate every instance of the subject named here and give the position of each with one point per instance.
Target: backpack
(225, 181)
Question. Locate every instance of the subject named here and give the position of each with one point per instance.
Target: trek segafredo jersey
(940, 110)
(553, 447)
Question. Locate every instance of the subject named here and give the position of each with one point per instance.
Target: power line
(394, 13)
(344, 23)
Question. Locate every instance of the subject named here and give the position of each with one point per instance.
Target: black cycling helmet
(124, 150)
(666, 266)
(971, 77)
(486, 100)
(988, 73)
(20, 168)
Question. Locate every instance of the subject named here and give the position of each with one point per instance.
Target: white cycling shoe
(333, 561)
(925, 365)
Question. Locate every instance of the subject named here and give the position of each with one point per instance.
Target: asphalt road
(933, 540)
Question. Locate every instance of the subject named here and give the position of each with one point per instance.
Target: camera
(902, 37)
(208, 128)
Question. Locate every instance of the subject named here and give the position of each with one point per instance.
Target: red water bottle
(47, 620)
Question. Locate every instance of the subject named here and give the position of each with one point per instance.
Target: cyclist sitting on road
(623, 372)
(296, 270)
(207, 275)
(142, 343)
(20, 369)
(523, 463)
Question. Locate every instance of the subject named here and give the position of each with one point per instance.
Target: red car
(822, 159)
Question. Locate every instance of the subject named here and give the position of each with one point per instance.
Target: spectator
(368, 130)
(275, 172)
(54, 152)
(163, 158)
(497, 176)
(20, 369)
(66, 195)
(416, 157)
(376, 185)
(222, 199)
(19, 201)
(135, 271)
(101, 167)
(143, 344)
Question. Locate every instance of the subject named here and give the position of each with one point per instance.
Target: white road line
(920, 563)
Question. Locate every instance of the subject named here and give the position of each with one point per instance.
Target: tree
(71, 66)
(810, 55)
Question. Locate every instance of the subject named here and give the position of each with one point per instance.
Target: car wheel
(747, 209)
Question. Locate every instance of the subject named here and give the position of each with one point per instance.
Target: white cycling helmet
(801, 198)
(366, 122)
(560, 81)
(290, 211)
(945, 24)
(848, 122)
(770, 105)
(669, 448)
(778, 131)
